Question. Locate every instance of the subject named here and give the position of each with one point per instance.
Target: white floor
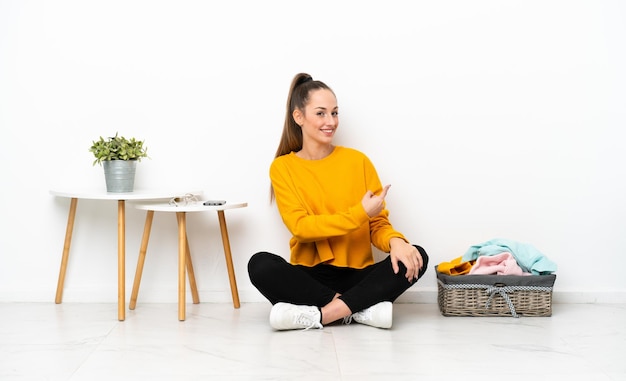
(72, 341)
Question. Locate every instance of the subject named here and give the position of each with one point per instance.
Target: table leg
(142, 258)
(121, 259)
(182, 254)
(229, 258)
(66, 250)
(192, 277)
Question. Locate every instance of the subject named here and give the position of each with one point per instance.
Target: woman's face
(320, 118)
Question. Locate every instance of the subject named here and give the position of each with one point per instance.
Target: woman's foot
(379, 315)
(285, 316)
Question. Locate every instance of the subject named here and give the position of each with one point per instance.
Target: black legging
(280, 281)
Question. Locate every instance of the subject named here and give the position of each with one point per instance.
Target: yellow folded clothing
(455, 267)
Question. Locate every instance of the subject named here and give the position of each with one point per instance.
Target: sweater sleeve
(381, 230)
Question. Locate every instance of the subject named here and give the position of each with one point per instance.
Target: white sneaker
(379, 315)
(286, 316)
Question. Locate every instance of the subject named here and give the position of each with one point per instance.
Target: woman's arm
(297, 210)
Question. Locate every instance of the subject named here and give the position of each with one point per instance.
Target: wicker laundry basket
(495, 295)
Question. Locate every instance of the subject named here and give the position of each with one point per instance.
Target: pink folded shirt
(499, 264)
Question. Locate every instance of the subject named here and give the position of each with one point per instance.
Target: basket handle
(501, 289)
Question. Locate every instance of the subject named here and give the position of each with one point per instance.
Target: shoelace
(305, 320)
(365, 314)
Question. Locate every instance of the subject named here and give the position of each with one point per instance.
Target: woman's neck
(317, 153)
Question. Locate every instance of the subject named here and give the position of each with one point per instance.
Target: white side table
(184, 256)
(121, 198)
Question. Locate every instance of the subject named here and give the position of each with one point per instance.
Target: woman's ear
(298, 117)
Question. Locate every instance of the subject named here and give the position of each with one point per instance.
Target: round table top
(138, 194)
(193, 206)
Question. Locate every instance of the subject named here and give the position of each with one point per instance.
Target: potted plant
(119, 157)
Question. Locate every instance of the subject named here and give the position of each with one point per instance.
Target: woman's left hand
(402, 251)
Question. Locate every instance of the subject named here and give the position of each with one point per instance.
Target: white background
(491, 119)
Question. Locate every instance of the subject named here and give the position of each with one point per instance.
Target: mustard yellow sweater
(320, 203)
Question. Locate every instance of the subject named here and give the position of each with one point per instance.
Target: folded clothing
(498, 264)
(455, 267)
(527, 256)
